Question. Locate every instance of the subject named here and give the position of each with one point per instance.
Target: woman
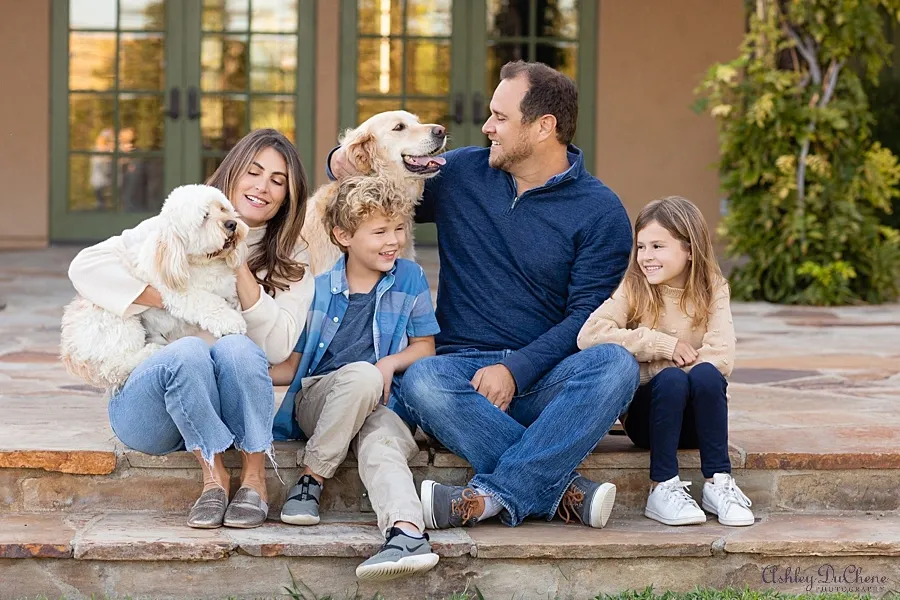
(205, 395)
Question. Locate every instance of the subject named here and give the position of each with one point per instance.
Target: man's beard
(510, 157)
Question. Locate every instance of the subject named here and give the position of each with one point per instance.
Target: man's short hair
(361, 197)
(549, 93)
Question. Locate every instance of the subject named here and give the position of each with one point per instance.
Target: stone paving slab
(36, 536)
(813, 388)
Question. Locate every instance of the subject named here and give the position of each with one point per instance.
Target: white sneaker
(670, 503)
(724, 498)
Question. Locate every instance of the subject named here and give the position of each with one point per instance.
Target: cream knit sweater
(274, 324)
(654, 348)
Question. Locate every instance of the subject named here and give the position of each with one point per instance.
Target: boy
(371, 318)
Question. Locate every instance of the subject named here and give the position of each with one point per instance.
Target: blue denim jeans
(193, 396)
(525, 457)
(682, 410)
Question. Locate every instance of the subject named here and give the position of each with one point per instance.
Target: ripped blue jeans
(193, 396)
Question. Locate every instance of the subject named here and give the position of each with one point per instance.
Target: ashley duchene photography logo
(828, 578)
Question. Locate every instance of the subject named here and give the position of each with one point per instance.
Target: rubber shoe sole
(300, 519)
(682, 521)
(602, 505)
(730, 523)
(426, 493)
(408, 565)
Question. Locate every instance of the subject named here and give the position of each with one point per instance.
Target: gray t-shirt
(353, 341)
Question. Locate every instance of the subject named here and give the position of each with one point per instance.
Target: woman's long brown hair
(684, 221)
(283, 229)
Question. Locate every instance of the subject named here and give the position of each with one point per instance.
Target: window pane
(497, 56)
(91, 180)
(507, 18)
(277, 113)
(226, 15)
(91, 122)
(92, 61)
(429, 111)
(428, 68)
(380, 17)
(273, 15)
(140, 181)
(142, 14)
(141, 121)
(273, 63)
(92, 14)
(223, 121)
(562, 56)
(223, 63)
(380, 66)
(366, 107)
(560, 19)
(141, 61)
(429, 17)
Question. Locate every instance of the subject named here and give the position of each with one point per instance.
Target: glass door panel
(246, 77)
(108, 162)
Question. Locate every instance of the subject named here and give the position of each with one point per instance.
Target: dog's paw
(227, 322)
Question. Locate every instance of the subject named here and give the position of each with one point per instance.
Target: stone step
(132, 481)
(108, 554)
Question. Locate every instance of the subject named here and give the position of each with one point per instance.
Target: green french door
(151, 94)
(441, 59)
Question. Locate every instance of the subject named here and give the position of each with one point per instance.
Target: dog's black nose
(439, 132)
(231, 225)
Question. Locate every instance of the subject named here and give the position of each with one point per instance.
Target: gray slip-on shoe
(302, 505)
(401, 555)
(209, 509)
(247, 510)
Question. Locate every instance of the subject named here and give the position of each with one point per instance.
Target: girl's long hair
(283, 229)
(685, 223)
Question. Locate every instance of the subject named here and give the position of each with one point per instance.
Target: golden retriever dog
(391, 144)
(189, 253)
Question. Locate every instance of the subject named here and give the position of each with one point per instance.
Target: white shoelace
(732, 494)
(677, 492)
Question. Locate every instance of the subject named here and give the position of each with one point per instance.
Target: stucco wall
(652, 55)
(25, 123)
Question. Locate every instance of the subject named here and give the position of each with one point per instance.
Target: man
(530, 244)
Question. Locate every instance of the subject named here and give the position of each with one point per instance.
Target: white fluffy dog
(189, 255)
(391, 144)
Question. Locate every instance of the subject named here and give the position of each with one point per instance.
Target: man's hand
(340, 166)
(684, 354)
(497, 384)
(387, 368)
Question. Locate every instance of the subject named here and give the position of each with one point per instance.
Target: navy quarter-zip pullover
(522, 273)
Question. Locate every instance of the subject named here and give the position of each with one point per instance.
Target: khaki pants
(335, 410)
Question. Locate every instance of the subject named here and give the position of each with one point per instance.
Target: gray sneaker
(587, 501)
(302, 506)
(401, 555)
(449, 505)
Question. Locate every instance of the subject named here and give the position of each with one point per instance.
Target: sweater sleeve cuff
(249, 313)
(328, 164)
(522, 370)
(664, 346)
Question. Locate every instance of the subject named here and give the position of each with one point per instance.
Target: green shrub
(807, 187)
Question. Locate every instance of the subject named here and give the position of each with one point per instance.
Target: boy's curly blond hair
(359, 198)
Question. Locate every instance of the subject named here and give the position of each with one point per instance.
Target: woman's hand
(684, 354)
(150, 297)
(247, 286)
(340, 166)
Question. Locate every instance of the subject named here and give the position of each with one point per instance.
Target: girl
(672, 312)
(205, 395)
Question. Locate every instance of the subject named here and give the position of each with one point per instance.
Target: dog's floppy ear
(171, 260)
(361, 152)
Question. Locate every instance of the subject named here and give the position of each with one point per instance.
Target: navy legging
(681, 410)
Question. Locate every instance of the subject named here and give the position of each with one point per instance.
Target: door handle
(477, 109)
(174, 109)
(459, 108)
(193, 102)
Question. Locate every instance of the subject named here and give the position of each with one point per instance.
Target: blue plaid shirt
(403, 309)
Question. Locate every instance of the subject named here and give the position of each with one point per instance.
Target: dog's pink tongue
(424, 161)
